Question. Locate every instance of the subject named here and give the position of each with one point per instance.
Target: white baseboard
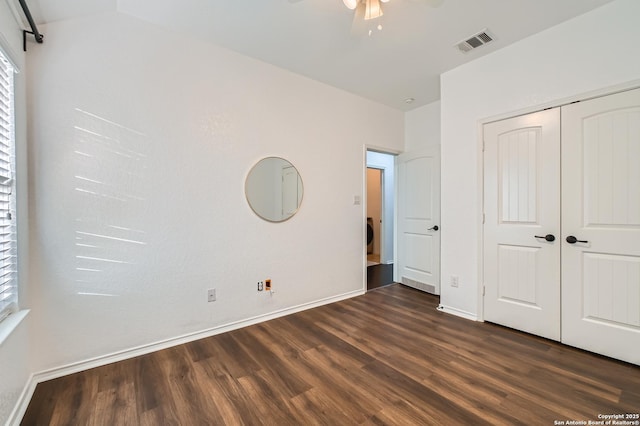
(23, 402)
(457, 312)
(25, 397)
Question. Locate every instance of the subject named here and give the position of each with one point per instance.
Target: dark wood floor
(379, 275)
(387, 357)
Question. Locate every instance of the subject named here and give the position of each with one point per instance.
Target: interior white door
(522, 223)
(601, 210)
(418, 220)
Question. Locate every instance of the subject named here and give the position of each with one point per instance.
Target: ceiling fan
(372, 8)
(366, 11)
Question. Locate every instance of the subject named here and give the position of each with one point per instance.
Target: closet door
(522, 223)
(601, 225)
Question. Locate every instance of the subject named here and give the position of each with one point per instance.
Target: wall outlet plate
(454, 281)
(211, 295)
(260, 285)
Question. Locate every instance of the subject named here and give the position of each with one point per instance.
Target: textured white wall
(15, 366)
(422, 127)
(141, 141)
(593, 51)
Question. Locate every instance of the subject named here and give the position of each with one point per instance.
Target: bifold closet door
(522, 223)
(601, 225)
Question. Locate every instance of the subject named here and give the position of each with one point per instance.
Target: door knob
(433, 228)
(548, 237)
(572, 240)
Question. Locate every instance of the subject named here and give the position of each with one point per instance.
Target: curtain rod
(34, 30)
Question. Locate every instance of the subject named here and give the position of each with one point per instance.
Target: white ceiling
(314, 37)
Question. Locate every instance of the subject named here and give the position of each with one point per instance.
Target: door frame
(363, 205)
(609, 90)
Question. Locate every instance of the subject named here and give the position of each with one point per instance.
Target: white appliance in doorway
(370, 235)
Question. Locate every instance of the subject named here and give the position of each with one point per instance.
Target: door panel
(418, 250)
(517, 274)
(601, 209)
(522, 201)
(419, 253)
(611, 291)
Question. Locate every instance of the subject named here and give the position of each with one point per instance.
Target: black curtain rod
(34, 30)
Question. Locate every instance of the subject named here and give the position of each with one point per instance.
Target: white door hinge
(483, 290)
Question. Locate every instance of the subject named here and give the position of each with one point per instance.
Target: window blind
(8, 275)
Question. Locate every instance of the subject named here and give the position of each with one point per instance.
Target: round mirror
(274, 189)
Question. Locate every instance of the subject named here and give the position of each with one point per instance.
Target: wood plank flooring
(384, 358)
(379, 275)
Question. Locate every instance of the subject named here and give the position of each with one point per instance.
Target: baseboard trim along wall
(457, 312)
(54, 373)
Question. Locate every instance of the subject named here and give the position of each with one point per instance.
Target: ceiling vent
(475, 41)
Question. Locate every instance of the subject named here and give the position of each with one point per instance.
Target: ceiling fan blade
(359, 25)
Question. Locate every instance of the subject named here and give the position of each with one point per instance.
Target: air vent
(475, 41)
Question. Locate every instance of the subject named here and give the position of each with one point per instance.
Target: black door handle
(433, 228)
(572, 240)
(548, 237)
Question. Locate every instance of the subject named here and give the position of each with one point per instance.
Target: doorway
(374, 214)
(379, 236)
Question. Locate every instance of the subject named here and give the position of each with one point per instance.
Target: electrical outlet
(454, 281)
(211, 295)
(260, 285)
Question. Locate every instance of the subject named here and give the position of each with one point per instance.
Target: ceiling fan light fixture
(351, 4)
